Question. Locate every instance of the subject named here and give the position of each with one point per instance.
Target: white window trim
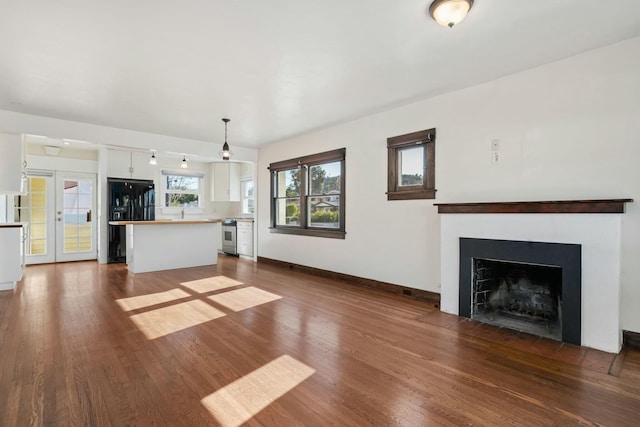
(243, 198)
(176, 210)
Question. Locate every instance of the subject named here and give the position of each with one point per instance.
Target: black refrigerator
(129, 200)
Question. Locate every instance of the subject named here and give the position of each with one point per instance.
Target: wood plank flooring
(83, 344)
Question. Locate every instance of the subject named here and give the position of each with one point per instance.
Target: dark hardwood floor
(83, 344)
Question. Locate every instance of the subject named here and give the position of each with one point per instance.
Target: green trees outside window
(308, 195)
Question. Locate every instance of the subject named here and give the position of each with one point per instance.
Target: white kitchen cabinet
(245, 238)
(129, 164)
(246, 171)
(226, 182)
(11, 259)
(11, 159)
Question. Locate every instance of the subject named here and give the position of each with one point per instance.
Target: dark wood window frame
(428, 188)
(304, 163)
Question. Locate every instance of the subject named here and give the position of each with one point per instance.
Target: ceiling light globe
(450, 12)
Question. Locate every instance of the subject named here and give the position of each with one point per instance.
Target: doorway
(58, 212)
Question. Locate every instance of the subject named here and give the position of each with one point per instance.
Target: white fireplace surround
(599, 235)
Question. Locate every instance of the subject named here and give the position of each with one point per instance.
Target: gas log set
(520, 296)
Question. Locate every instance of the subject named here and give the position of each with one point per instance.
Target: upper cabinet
(129, 164)
(246, 171)
(226, 182)
(11, 159)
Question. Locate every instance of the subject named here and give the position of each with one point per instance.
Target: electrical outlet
(495, 157)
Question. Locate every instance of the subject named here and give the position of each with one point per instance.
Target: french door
(59, 212)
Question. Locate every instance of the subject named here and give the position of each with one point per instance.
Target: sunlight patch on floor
(142, 301)
(211, 284)
(241, 299)
(236, 403)
(167, 320)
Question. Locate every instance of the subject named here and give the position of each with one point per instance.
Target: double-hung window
(307, 195)
(248, 199)
(182, 189)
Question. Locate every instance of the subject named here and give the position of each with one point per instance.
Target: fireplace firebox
(533, 287)
(524, 297)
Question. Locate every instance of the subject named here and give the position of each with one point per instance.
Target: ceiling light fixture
(449, 12)
(184, 164)
(225, 153)
(152, 160)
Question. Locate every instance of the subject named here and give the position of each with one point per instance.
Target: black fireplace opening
(519, 296)
(535, 287)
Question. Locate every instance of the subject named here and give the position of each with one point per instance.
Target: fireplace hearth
(533, 287)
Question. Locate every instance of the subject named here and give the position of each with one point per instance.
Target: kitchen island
(11, 259)
(170, 244)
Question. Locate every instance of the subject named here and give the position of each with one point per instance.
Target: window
(248, 200)
(307, 195)
(181, 190)
(412, 165)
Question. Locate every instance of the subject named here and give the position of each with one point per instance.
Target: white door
(75, 214)
(58, 212)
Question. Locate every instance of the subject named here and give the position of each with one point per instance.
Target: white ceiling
(277, 68)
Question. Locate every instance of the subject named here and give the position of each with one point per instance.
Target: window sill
(411, 194)
(314, 232)
(175, 211)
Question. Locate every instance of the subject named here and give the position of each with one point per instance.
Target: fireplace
(524, 297)
(581, 238)
(533, 287)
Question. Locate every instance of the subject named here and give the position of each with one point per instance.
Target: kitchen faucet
(182, 214)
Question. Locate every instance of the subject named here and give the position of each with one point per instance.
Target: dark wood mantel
(543, 207)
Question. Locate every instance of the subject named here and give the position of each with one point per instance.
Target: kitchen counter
(167, 245)
(166, 221)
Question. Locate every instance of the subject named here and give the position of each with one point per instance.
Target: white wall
(566, 130)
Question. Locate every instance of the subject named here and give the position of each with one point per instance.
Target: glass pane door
(75, 212)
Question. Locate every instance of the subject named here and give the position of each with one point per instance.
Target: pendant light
(152, 160)
(225, 153)
(449, 12)
(184, 164)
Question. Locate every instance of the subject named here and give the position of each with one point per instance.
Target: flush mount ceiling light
(449, 12)
(225, 153)
(152, 160)
(184, 164)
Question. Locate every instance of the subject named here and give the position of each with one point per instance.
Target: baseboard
(360, 281)
(631, 339)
